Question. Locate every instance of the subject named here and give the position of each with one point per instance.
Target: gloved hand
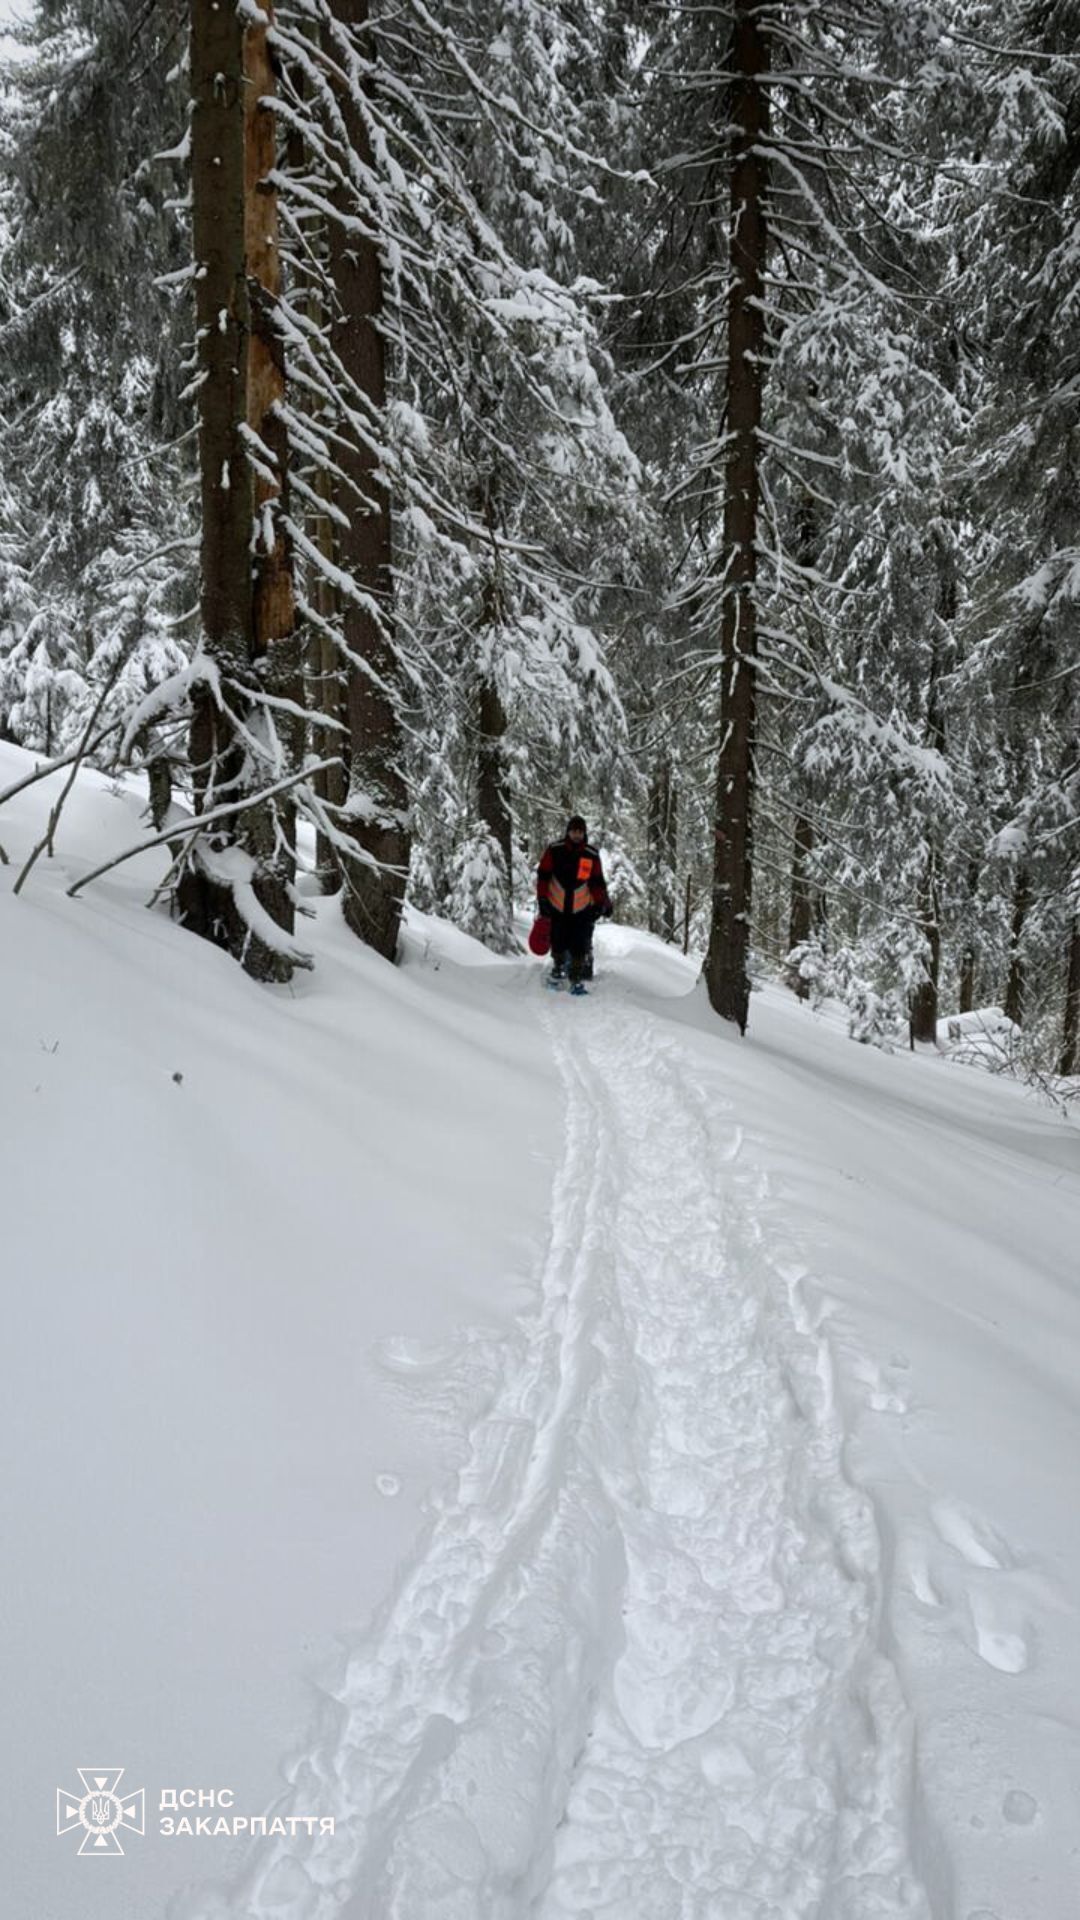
(543, 908)
(606, 913)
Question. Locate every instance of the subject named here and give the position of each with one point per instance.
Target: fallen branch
(77, 758)
(200, 822)
(54, 766)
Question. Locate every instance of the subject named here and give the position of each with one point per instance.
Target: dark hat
(576, 821)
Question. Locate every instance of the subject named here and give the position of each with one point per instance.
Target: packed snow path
(633, 1671)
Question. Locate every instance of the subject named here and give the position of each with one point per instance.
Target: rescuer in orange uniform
(571, 893)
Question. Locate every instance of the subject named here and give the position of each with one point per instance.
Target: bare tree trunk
(222, 317)
(924, 1002)
(726, 972)
(232, 150)
(969, 957)
(274, 640)
(328, 680)
(1014, 990)
(323, 667)
(1070, 1039)
(801, 917)
(663, 837)
(669, 851)
(491, 797)
(377, 799)
(967, 978)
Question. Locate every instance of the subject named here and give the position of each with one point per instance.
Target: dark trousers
(571, 943)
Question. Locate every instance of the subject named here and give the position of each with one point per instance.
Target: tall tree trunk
(328, 681)
(663, 837)
(238, 623)
(274, 639)
(924, 1001)
(1070, 1039)
(323, 672)
(1014, 990)
(492, 801)
(492, 798)
(801, 916)
(223, 320)
(377, 802)
(669, 856)
(726, 972)
(969, 956)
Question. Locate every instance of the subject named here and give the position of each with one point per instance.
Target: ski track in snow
(633, 1671)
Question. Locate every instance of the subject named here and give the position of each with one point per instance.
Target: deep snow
(744, 1378)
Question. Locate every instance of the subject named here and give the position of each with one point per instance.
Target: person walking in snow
(572, 894)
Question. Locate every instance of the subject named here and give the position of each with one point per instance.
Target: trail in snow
(633, 1671)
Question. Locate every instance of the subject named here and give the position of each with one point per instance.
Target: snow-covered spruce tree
(491, 440)
(782, 248)
(1025, 461)
(235, 885)
(534, 448)
(93, 518)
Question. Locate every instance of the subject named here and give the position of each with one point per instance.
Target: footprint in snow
(973, 1538)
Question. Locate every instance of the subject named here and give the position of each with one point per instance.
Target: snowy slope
(746, 1374)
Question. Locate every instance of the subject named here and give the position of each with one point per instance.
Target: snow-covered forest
(419, 421)
(612, 1459)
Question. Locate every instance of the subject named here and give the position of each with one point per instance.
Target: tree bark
(377, 801)
(274, 640)
(969, 956)
(222, 319)
(663, 833)
(924, 1001)
(329, 692)
(230, 156)
(801, 917)
(726, 971)
(1015, 984)
(1014, 990)
(491, 797)
(1070, 1039)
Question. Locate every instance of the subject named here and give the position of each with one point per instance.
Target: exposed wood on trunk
(373, 895)
(726, 971)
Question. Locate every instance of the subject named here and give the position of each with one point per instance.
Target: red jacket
(570, 879)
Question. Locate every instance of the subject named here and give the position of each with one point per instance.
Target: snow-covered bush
(480, 892)
(875, 1019)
